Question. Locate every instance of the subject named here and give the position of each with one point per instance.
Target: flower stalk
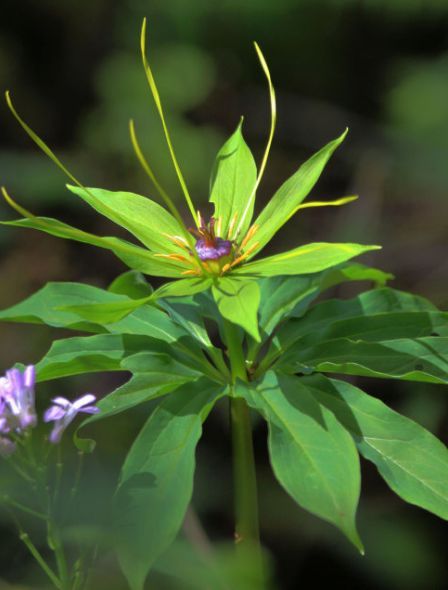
(247, 530)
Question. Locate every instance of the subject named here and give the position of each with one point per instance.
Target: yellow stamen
(177, 257)
(178, 240)
(191, 272)
(250, 234)
(200, 220)
(245, 255)
(218, 227)
(232, 225)
(225, 268)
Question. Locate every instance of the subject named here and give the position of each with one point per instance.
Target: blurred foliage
(378, 66)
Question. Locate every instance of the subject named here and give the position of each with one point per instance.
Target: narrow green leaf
(412, 461)
(287, 199)
(376, 315)
(417, 359)
(156, 482)
(306, 259)
(146, 220)
(312, 455)
(233, 178)
(238, 302)
(132, 284)
(135, 257)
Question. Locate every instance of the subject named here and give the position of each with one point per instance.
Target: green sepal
(135, 257)
(306, 259)
(287, 199)
(146, 220)
(233, 179)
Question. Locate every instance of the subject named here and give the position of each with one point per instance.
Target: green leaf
(303, 260)
(183, 288)
(238, 302)
(135, 257)
(233, 179)
(379, 314)
(282, 296)
(187, 313)
(145, 219)
(418, 359)
(156, 482)
(89, 354)
(312, 455)
(132, 284)
(412, 461)
(287, 199)
(154, 374)
(44, 306)
(107, 313)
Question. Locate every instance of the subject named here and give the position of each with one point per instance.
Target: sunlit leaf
(233, 179)
(304, 259)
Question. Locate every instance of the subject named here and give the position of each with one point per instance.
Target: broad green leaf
(282, 296)
(89, 354)
(411, 359)
(44, 306)
(312, 455)
(412, 461)
(146, 220)
(306, 259)
(132, 284)
(135, 257)
(238, 302)
(156, 482)
(287, 199)
(233, 179)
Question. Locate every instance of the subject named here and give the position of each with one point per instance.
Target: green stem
(24, 537)
(247, 534)
(55, 544)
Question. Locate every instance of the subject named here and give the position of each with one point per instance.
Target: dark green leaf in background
(312, 455)
(412, 461)
(156, 482)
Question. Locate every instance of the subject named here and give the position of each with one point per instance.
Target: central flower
(209, 246)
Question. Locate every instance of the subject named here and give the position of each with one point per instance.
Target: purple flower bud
(17, 405)
(63, 412)
(213, 249)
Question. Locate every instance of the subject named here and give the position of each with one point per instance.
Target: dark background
(379, 67)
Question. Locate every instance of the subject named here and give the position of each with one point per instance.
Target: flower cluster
(18, 412)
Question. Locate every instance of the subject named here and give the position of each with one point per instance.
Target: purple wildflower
(63, 412)
(17, 409)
